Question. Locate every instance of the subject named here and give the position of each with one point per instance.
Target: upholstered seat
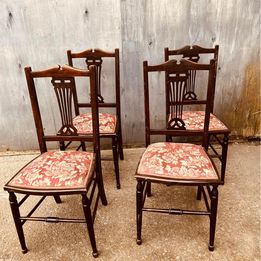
(194, 120)
(56, 170)
(107, 123)
(176, 161)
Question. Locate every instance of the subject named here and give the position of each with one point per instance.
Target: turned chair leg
(213, 217)
(18, 223)
(89, 222)
(116, 161)
(139, 206)
(224, 157)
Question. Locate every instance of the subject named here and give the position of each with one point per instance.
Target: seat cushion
(194, 120)
(166, 160)
(107, 123)
(56, 170)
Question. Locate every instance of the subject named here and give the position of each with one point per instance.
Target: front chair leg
(213, 217)
(17, 220)
(116, 162)
(139, 206)
(89, 222)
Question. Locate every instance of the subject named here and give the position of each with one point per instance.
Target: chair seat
(185, 161)
(56, 170)
(194, 120)
(107, 123)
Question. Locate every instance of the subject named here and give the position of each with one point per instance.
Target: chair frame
(61, 73)
(143, 188)
(193, 53)
(94, 57)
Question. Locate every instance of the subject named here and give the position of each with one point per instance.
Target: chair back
(96, 57)
(62, 80)
(195, 54)
(176, 79)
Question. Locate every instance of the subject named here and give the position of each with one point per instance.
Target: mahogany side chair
(182, 164)
(110, 124)
(194, 119)
(58, 173)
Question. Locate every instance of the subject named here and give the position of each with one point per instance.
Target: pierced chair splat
(170, 163)
(110, 124)
(59, 173)
(194, 120)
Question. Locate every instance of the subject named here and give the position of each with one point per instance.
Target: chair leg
(213, 217)
(89, 222)
(168, 138)
(116, 161)
(83, 146)
(139, 206)
(62, 145)
(57, 199)
(120, 145)
(224, 157)
(18, 224)
(100, 181)
(199, 193)
(148, 189)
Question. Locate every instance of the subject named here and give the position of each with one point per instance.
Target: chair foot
(211, 248)
(138, 241)
(95, 254)
(24, 251)
(118, 186)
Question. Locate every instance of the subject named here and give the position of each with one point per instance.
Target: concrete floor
(164, 237)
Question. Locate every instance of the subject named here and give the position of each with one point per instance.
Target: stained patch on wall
(244, 115)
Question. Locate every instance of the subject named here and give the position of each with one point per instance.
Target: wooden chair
(217, 129)
(58, 173)
(110, 124)
(182, 164)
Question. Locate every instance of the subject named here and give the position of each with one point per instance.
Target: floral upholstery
(107, 123)
(56, 170)
(166, 160)
(194, 120)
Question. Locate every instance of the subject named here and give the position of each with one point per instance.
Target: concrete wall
(38, 33)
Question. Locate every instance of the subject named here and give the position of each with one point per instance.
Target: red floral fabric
(107, 123)
(194, 120)
(176, 161)
(56, 170)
